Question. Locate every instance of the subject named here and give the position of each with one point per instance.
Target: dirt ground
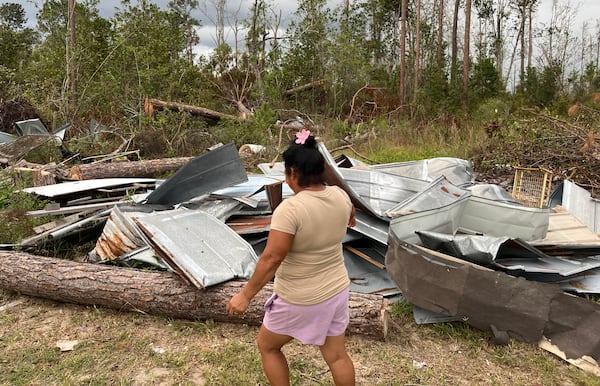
(125, 348)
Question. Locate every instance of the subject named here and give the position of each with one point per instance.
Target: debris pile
(426, 232)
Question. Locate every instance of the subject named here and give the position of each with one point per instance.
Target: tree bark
(402, 91)
(454, 43)
(156, 292)
(440, 35)
(152, 105)
(417, 50)
(466, 53)
(141, 169)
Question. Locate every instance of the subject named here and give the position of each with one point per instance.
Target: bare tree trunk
(454, 51)
(530, 49)
(220, 24)
(499, 38)
(71, 66)
(403, 52)
(523, 16)
(466, 53)
(440, 34)
(417, 49)
(157, 293)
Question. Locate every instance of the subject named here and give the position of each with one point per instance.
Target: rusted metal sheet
(119, 236)
(250, 224)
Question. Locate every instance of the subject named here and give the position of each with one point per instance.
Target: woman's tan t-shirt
(314, 270)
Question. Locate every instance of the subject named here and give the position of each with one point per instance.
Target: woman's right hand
(237, 305)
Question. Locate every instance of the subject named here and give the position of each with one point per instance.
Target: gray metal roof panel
(206, 173)
(199, 246)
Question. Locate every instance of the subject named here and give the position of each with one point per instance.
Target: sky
(588, 11)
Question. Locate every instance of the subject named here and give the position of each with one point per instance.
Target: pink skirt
(309, 324)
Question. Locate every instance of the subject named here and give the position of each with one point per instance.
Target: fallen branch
(156, 292)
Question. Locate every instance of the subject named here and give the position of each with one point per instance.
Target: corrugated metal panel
(119, 236)
(475, 215)
(380, 191)
(492, 192)
(372, 227)
(511, 255)
(440, 192)
(456, 170)
(206, 173)
(496, 218)
(334, 177)
(199, 247)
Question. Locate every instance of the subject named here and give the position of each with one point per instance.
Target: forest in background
(419, 70)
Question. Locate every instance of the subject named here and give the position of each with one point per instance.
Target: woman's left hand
(237, 305)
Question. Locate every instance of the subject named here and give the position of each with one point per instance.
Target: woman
(304, 254)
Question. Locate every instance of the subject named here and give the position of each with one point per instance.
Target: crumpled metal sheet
(588, 283)
(333, 176)
(443, 220)
(213, 170)
(200, 248)
(512, 255)
(497, 218)
(475, 215)
(457, 171)
(380, 191)
(526, 310)
(6, 137)
(438, 193)
(372, 227)
(493, 192)
(31, 127)
(120, 234)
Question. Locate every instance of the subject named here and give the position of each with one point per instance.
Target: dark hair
(307, 160)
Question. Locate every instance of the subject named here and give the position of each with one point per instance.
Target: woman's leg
(338, 360)
(273, 360)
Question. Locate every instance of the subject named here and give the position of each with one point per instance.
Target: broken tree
(156, 292)
(152, 105)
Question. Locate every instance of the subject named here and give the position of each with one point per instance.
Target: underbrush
(14, 205)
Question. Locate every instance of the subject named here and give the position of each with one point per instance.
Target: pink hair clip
(301, 136)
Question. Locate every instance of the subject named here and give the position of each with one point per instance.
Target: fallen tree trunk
(152, 105)
(304, 87)
(157, 293)
(147, 168)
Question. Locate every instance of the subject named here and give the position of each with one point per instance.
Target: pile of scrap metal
(425, 232)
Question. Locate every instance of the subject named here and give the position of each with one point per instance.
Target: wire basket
(531, 186)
